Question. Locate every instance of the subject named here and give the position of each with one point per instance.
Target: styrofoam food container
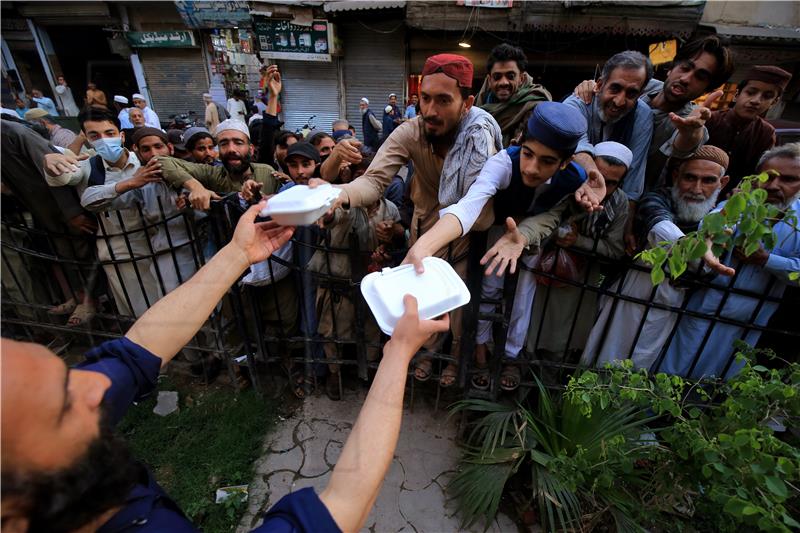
(437, 290)
(300, 205)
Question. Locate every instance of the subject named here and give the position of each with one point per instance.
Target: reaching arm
(167, 326)
(270, 123)
(367, 454)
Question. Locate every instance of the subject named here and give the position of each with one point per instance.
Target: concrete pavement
(303, 450)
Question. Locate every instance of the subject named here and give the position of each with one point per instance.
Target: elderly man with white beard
(763, 274)
(665, 214)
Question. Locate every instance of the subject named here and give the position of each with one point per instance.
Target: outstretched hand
(506, 251)
(591, 193)
(713, 262)
(274, 84)
(258, 240)
(698, 117)
(57, 164)
(411, 333)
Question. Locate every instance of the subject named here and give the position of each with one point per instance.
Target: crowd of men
(623, 164)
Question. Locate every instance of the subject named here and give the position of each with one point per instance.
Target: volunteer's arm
(199, 179)
(167, 326)
(367, 454)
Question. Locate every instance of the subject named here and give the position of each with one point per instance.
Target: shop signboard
(161, 39)
(214, 14)
(280, 39)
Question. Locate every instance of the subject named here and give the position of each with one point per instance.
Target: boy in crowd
(741, 131)
(523, 180)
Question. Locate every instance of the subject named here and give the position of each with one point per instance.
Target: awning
(632, 18)
(756, 33)
(353, 5)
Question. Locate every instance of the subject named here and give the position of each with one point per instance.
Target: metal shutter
(176, 79)
(309, 88)
(374, 66)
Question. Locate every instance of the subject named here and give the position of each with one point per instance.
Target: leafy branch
(745, 222)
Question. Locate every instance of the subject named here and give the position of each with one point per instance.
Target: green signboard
(280, 39)
(161, 39)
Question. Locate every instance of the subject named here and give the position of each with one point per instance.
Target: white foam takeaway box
(300, 205)
(438, 290)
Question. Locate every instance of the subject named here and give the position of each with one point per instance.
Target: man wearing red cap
(449, 142)
(740, 130)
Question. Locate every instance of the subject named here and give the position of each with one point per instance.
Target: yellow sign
(663, 52)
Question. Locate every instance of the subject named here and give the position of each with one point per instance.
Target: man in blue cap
(524, 180)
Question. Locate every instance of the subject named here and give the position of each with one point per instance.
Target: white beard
(692, 211)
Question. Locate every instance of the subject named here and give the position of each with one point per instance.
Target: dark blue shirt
(133, 372)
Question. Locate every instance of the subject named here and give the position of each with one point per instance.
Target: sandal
(449, 375)
(83, 314)
(423, 369)
(301, 389)
(480, 379)
(510, 378)
(63, 309)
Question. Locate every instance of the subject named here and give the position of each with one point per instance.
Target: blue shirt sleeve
(633, 184)
(133, 372)
(300, 511)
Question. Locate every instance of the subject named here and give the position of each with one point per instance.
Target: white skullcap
(392, 94)
(388, 109)
(365, 101)
(137, 96)
(232, 124)
(615, 150)
(120, 99)
(206, 95)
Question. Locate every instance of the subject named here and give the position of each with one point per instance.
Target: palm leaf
(477, 490)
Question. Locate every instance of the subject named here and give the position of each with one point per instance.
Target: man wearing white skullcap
(150, 117)
(212, 118)
(121, 105)
(370, 125)
(600, 232)
(238, 173)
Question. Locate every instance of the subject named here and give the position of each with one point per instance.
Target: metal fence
(596, 311)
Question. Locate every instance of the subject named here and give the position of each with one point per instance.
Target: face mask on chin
(109, 148)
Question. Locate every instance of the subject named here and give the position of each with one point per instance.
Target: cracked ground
(304, 448)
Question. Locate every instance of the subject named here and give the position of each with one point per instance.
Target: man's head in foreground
(302, 160)
(101, 128)
(149, 143)
(504, 70)
(697, 183)
(445, 96)
(235, 148)
(613, 161)
(622, 80)
(62, 466)
(550, 139)
(699, 66)
(783, 165)
(200, 145)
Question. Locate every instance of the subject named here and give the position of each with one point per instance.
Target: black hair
(283, 135)
(564, 155)
(97, 114)
(197, 137)
(367, 155)
(717, 48)
(628, 60)
(614, 162)
(465, 92)
(507, 52)
(317, 138)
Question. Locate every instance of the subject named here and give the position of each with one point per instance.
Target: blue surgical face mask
(109, 148)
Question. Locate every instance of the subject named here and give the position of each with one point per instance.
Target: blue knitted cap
(556, 125)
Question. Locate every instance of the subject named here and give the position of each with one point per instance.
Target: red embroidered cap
(452, 65)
